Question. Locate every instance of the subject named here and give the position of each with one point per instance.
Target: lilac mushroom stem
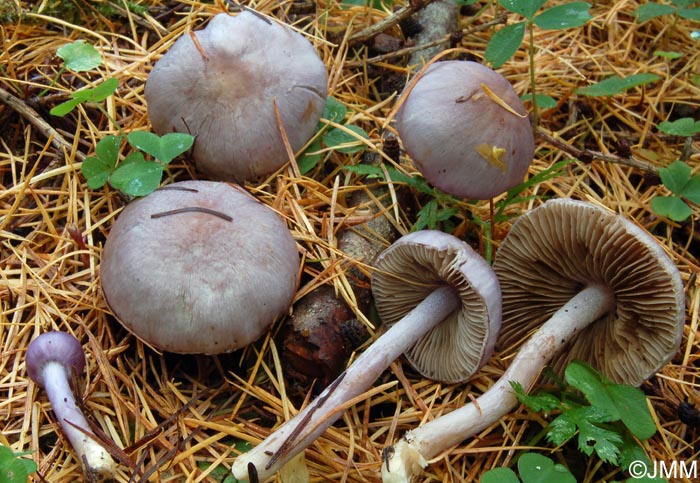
(410, 455)
(296, 434)
(51, 358)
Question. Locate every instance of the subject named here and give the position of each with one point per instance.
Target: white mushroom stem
(296, 434)
(96, 460)
(409, 455)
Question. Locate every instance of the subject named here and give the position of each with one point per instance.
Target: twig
(395, 18)
(58, 141)
(588, 155)
(409, 50)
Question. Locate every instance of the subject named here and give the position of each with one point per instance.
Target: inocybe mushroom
(466, 129)
(575, 278)
(198, 267)
(441, 301)
(221, 83)
(51, 360)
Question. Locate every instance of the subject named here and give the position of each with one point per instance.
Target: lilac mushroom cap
(222, 87)
(199, 267)
(466, 130)
(50, 347)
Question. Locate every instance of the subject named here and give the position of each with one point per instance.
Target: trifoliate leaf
(163, 148)
(671, 207)
(137, 177)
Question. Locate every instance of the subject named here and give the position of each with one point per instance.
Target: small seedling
(14, 468)
(134, 175)
(344, 138)
(507, 41)
(605, 418)
(677, 177)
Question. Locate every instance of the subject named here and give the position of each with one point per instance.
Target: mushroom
(442, 303)
(466, 129)
(51, 360)
(198, 267)
(582, 281)
(222, 83)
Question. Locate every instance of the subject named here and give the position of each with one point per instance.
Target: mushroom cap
(57, 346)
(555, 250)
(195, 281)
(462, 138)
(224, 93)
(415, 265)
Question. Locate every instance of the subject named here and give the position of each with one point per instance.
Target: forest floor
(184, 418)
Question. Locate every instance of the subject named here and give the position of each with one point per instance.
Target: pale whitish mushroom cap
(195, 282)
(226, 98)
(553, 251)
(415, 265)
(466, 140)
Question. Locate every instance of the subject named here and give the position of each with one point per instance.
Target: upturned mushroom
(52, 360)
(466, 129)
(579, 281)
(198, 267)
(442, 302)
(221, 84)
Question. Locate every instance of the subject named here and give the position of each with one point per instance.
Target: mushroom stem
(95, 458)
(296, 434)
(409, 455)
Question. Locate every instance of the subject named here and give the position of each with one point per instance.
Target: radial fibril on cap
(221, 83)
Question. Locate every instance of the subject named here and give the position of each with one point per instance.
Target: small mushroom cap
(222, 88)
(198, 267)
(555, 250)
(60, 347)
(466, 130)
(415, 265)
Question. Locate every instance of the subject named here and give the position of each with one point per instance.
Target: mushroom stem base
(441, 433)
(97, 463)
(296, 434)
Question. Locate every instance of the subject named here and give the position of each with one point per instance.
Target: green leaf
(96, 172)
(535, 468)
(675, 176)
(587, 380)
(526, 8)
(671, 207)
(685, 126)
(632, 406)
(79, 56)
(651, 10)
(12, 470)
(616, 84)
(107, 149)
(690, 14)
(311, 156)
(164, 148)
(604, 442)
(135, 176)
(691, 190)
(345, 142)
(538, 402)
(65, 107)
(102, 91)
(568, 15)
(543, 101)
(504, 44)
(668, 55)
(500, 475)
(334, 110)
